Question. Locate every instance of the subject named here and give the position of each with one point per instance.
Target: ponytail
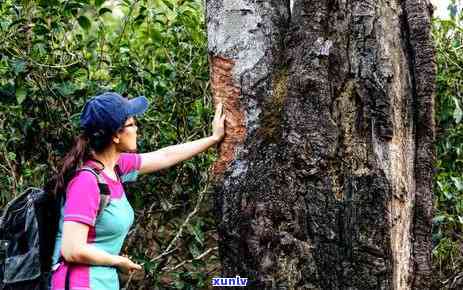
(72, 161)
(83, 149)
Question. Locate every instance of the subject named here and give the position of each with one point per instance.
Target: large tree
(325, 175)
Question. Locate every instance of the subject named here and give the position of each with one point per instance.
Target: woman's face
(128, 136)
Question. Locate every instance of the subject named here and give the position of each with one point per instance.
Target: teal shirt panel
(111, 229)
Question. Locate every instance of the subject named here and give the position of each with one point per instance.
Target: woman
(89, 247)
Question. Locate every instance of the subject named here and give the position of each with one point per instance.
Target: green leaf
(457, 113)
(104, 10)
(21, 94)
(19, 66)
(441, 186)
(98, 3)
(156, 35)
(448, 195)
(75, 120)
(179, 284)
(197, 233)
(194, 250)
(169, 4)
(458, 182)
(11, 156)
(84, 22)
(139, 19)
(66, 88)
(41, 29)
(438, 219)
(72, 8)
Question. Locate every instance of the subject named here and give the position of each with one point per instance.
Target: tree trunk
(324, 179)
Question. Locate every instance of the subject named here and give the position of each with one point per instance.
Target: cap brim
(137, 106)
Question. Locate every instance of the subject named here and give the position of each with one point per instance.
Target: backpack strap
(105, 194)
(67, 279)
(118, 171)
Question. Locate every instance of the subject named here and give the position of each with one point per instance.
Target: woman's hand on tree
(125, 264)
(218, 124)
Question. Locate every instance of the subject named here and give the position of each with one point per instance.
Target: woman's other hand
(218, 124)
(125, 264)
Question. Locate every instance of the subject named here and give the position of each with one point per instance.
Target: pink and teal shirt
(107, 232)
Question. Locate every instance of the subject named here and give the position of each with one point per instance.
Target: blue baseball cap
(109, 111)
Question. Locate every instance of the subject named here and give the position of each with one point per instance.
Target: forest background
(55, 54)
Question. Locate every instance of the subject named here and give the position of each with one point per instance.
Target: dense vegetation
(448, 197)
(56, 54)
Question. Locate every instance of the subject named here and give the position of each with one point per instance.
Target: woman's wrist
(216, 139)
(115, 261)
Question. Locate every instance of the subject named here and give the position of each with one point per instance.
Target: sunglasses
(134, 123)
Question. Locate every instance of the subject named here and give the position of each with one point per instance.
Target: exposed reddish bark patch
(224, 90)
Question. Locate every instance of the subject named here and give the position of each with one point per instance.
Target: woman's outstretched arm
(171, 155)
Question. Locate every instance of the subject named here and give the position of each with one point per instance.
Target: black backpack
(28, 229)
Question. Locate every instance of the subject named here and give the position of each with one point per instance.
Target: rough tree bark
(325, 175)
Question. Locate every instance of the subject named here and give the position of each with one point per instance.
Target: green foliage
(56, 54)
(448, 199)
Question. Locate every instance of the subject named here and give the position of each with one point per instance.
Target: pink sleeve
(129, 164)
(82, 199)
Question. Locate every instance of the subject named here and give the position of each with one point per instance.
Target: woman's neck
(108, 157)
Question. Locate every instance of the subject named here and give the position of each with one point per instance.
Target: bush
(448, 198)
(56, 54)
